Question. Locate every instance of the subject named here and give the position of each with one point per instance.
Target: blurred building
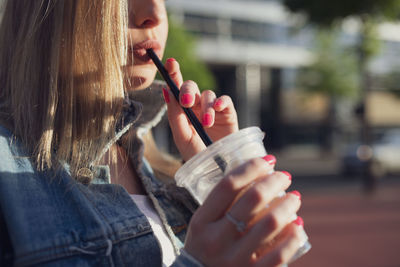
(254, 49)
(248, 47)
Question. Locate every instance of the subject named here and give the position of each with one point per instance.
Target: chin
(139, 82)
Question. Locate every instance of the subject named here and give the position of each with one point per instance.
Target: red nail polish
(186, 99)
(299, 221)
(166, 95)
(270, 159)
(207, 119)
(287, 174)
(297, 193)
(171, 60)
(218, 103)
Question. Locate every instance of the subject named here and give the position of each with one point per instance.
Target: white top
(144, 204)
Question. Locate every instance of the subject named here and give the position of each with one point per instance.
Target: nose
(146, 13)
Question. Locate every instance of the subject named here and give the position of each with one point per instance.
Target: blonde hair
(61, 82)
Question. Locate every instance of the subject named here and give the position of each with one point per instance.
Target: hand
(217, 115)
(250, 195)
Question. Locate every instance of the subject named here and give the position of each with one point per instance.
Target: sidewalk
(349, 229)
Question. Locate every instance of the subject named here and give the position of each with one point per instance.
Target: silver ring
(240, 226)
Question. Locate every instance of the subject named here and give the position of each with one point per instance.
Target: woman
(72, 73)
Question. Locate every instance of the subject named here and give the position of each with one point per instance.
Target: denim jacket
(49, 219)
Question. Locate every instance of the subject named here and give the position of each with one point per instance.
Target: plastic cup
(201, 173)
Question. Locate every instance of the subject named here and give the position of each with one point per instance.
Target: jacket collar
(153, 107)
(142, 110)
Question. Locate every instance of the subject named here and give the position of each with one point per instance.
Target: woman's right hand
(218, 114)
(248, 194)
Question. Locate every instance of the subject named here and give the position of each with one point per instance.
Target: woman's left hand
(217, 115)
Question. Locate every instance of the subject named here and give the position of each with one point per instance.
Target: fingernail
(218, 103)
(166, 95)
(299, 221)
(297, 193)
(270, 159)
(186, 99)
(207, 119)
(171, 60)
(287, 174)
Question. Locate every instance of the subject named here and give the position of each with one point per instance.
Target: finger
(174, 110)
(267, 247)
(176, 117)
(173, 69)
(224, 103)
(207, 108)
(226, 191)
(189, 94)
(267, 241)
(284, 249)
(225, 114)
(257, 197)
(266, 229)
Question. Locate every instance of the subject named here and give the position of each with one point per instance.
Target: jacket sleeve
(6, 250)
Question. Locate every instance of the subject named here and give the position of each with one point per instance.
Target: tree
(181, 46)
(334, 72)
(328, 12)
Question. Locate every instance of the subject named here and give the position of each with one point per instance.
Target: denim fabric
(49, 219)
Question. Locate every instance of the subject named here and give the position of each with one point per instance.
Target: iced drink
(201, 173)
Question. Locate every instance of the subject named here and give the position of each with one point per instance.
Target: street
(348, 227)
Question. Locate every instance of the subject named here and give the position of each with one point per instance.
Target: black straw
(189, 112)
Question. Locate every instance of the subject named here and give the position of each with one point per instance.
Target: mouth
(139, 50)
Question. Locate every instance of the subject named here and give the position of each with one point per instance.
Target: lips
(139, 50)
